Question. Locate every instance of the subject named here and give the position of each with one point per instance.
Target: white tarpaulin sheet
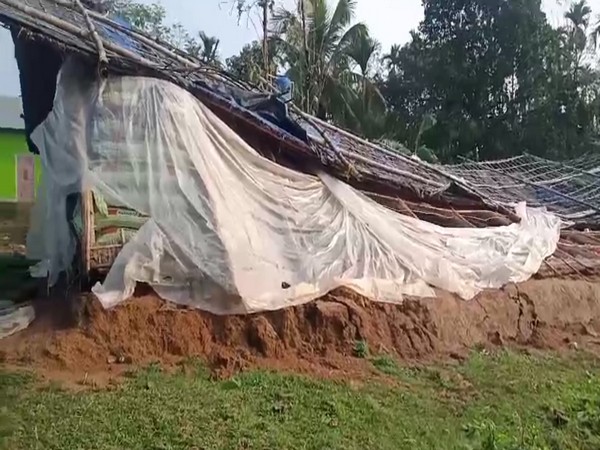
(232, 232)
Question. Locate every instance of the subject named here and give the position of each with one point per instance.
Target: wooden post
(265, 6)
(87, 211)
(307, 66)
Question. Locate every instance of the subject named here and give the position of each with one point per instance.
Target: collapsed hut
(475, 196)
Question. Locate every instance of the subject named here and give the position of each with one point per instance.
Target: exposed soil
(82, 339)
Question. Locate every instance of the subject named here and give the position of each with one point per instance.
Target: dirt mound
(320, 337)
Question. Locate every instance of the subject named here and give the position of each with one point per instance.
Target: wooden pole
(307, 65)
(33, 13)
(137, 35)
(94, 34)
(265, 6)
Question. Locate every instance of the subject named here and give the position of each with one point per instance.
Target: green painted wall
(12, 143)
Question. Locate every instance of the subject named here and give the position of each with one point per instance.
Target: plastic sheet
(232, 232)
(14, 318)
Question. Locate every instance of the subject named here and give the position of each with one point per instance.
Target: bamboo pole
(161, 47)
(95, 36)
(137, 35)
(87, 205)
(59, 23)
(33, 13)
(337, 151)
(423, 164)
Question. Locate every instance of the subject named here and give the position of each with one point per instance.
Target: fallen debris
(14, 318)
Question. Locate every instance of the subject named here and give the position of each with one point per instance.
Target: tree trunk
(306, 75)
(266, 36)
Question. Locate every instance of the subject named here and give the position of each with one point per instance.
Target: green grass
(505, 401)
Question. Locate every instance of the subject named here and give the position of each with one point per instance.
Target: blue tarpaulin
(118, 37)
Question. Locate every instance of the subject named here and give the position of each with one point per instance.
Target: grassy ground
(504, 401)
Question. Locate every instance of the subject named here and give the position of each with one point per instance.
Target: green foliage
(329, 57)
(503, 401)
(147, 18)
(498, 78)
(481, 79)
(150, 18)
(386, 364)
(249, 64)
(361, 349)
(246, 7)
(206, 48)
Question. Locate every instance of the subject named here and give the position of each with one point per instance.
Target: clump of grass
(487, 435)
(386, 364)
(361, 349)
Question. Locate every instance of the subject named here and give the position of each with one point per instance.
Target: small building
(19, 169)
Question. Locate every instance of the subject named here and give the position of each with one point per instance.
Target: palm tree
(393, 58)
(579, 14)
(210, 48)
(578, 17)
(327, 56)
(206, 48)
(364, 106)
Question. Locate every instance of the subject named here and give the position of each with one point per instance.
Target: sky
(390, 22)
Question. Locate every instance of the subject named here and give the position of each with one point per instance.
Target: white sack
(232, 232)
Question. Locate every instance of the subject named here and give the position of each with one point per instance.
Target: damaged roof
(305, 143)
(67, 27)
